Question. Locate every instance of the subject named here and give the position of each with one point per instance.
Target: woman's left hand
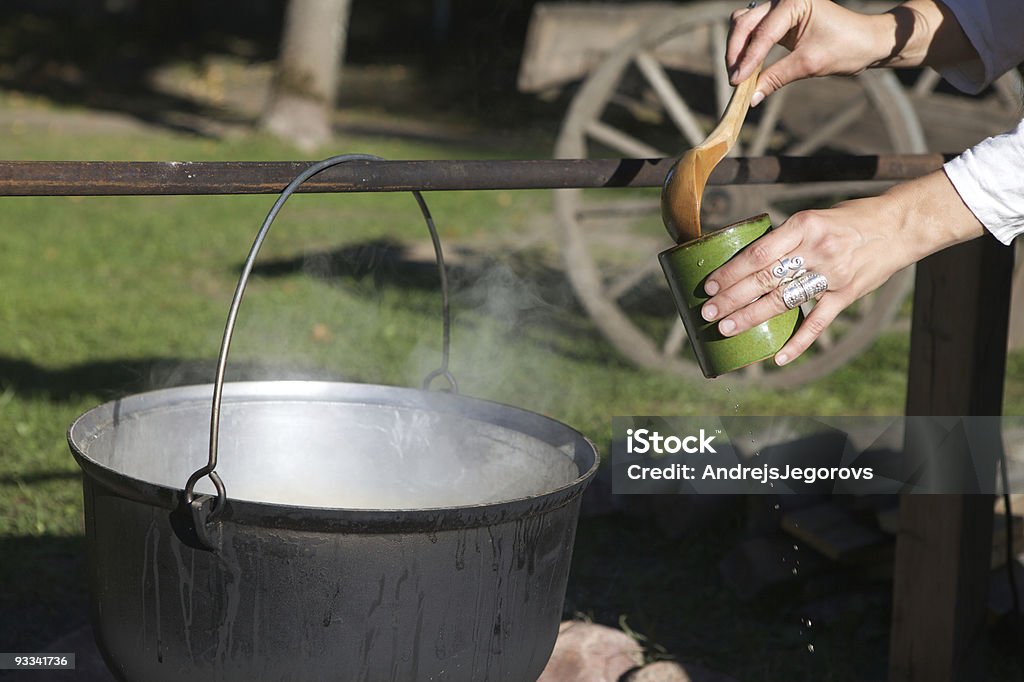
(856, 246)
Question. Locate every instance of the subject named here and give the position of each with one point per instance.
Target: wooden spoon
(684, 184)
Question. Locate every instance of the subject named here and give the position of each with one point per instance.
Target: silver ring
(804, 288)
(788, 269)
(752, 4)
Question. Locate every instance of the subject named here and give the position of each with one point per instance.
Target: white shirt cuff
(990, 179)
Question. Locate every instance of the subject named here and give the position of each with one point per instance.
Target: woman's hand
(857, 246)
(827, 39)
(823, 38)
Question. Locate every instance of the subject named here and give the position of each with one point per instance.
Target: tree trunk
(308, 70)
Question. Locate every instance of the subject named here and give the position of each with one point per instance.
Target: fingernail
(734, 76)
(757, 98)
(727, 327)
(710, 312)
(711, 287)
(781, 359)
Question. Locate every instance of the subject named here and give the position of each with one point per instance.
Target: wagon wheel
(662, 90)
(1001, 103)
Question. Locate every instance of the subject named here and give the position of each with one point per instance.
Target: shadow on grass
(386, 262)
(111, 379)
(381, 262)
(104, 55)
(105, 60)
(40, 477)
(520, 290)
(43, 590)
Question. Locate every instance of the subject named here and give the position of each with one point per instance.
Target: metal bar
(110, 178)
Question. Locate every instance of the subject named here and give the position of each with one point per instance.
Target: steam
(494, 312)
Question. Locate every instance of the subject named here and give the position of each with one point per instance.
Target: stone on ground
(670, 671)
(587, 652)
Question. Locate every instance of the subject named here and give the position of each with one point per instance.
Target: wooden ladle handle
(684, 184)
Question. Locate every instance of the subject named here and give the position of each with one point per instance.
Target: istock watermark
(819, 455)
(643, 441)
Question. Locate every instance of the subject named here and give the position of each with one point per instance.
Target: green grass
(105, 296)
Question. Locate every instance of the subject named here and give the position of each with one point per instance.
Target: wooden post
(957, 366)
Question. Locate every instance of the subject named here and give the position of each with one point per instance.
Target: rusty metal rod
(110, 178)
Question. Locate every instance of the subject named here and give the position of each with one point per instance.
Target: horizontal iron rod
(113, 178)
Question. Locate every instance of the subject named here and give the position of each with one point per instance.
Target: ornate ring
(788, 269)
(804, 288)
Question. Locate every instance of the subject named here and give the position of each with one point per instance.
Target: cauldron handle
(194, 512)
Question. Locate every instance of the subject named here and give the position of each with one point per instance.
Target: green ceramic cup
(687, 266)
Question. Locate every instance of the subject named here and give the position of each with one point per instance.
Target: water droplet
(810, 647)
(776, 506)
(772, 485)
(796, 548)
(794, 570)
(728, 389)
(808, 623)
(700, 262)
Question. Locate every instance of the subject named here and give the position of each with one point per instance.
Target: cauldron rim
(336, 519)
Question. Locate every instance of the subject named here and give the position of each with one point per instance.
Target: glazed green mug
(687, 266)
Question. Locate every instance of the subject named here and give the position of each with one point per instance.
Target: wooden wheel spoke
(622, 142)
(779, 199)
(755, 371)
(676, 338)
(777, 215)
(806, 195)
(847, 116)
(723, 90)
(1009, 88)
(865, 305)
(926, 83)
(768, 123)
(624, 283)
(826, 339)
(677, 109)
(719, 34)
(641, 110)
(818, 190)
(626, 208)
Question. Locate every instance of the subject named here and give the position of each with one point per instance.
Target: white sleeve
(990, 179)
(996, 30)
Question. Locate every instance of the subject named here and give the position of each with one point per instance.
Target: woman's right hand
(855, 246)
(826, 39)
(823, 37)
